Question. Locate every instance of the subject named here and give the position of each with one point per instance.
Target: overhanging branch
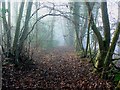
(46, 16)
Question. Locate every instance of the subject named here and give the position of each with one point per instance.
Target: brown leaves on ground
(58, 69)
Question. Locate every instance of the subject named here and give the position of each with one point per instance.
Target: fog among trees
(67, 45)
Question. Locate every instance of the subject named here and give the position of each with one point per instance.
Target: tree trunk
(88, 38)
(106, 25)
(17, 31)
(36, 32)
(9, 22)
(6, 28)
(25, 30)
(101, 55)
(77, 21)
(104, 57)
(24, 33)
(108, 58)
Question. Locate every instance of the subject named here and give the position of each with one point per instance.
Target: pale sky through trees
(112, 10)
(113, 14)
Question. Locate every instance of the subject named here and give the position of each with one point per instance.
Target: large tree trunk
(19, 48)
(106, 41)
(100, 56)
(106, 25)
(25, 30)
(108, 58)
(17, 30)
(104, 57)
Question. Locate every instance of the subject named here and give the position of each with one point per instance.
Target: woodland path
(58, 69)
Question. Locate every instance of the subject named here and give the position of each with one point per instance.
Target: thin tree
(6, 28)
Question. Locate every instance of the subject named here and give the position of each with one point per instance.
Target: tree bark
(17, 30)
(77, 21)
(106, 25)
(100, 56)
(104, 57)
(6, 28)
(110, 52)
(25, 30)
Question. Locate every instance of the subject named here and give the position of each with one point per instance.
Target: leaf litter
(56, 69)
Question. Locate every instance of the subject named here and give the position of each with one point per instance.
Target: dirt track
(58, 69)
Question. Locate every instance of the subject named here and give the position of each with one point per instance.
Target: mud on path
(59, 69)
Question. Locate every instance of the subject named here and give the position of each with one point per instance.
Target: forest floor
(56, 69)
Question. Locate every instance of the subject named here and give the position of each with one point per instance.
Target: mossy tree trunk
(99, 60)
(108, 58)
(106, 40)
(104, 57)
